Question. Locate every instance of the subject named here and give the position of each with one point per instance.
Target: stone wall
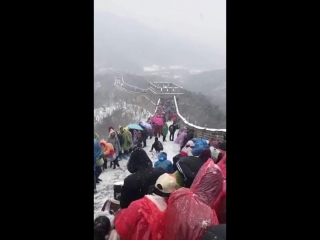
(150, 102)
(201, 132)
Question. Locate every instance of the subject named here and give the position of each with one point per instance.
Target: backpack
(159, 146)
(171, 128)
(121, 139)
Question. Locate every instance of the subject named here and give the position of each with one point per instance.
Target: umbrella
(157, 121)
(146, 125)
(134, 126)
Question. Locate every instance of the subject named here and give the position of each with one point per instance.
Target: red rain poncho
(223, 165)
(220, 204)
(189, 212)
(142, 220)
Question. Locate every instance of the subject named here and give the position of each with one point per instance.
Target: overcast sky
(203, 21)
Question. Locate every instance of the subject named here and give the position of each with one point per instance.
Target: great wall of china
(149, 98)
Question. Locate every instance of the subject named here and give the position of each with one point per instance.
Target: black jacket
(156, 145)
(175, 160)
(142, 176)
(223, 145)
(172, 128)
(144, 134)
(188, 167)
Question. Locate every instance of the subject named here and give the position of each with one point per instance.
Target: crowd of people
(182, 199)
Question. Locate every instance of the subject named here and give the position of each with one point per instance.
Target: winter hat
(165, 185)
(215, 144)
(190, 143)
(138, 160)
(110, 128)
(112, 131)
(217, 232)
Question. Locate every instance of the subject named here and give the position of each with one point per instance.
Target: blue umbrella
(134, 126)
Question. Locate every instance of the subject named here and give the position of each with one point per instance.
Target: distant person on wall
(172, 130)
(138, 140)
(158, 130)
(164, 118)
(157, 145)
(180, 137)
(127, 136)
(113, 139)
(189, 136)
(144, 136)
(98, 153)
(164, 132)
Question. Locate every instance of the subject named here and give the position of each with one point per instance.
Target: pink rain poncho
(189, 212)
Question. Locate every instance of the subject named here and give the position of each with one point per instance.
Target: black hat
(138, 160)
(217, 232)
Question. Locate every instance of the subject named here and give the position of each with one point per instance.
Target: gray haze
(132, 34)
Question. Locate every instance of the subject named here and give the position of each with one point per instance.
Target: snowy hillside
(111, 176)
(138, 113)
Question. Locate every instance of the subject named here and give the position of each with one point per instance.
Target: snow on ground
(110, 176)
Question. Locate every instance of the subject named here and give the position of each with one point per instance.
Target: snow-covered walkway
(110, 176)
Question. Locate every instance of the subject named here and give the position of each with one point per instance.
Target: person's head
(112, 133)
(138, 160)
(190, 144)
(102, 227)
(110, 128)
(165, 185)
(121, 129)
(156, 139)
(215, 143)
(162, 156)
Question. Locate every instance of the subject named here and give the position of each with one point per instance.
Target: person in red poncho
(219, 205)
(189, 213)
(144, 218)
(223, 165)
